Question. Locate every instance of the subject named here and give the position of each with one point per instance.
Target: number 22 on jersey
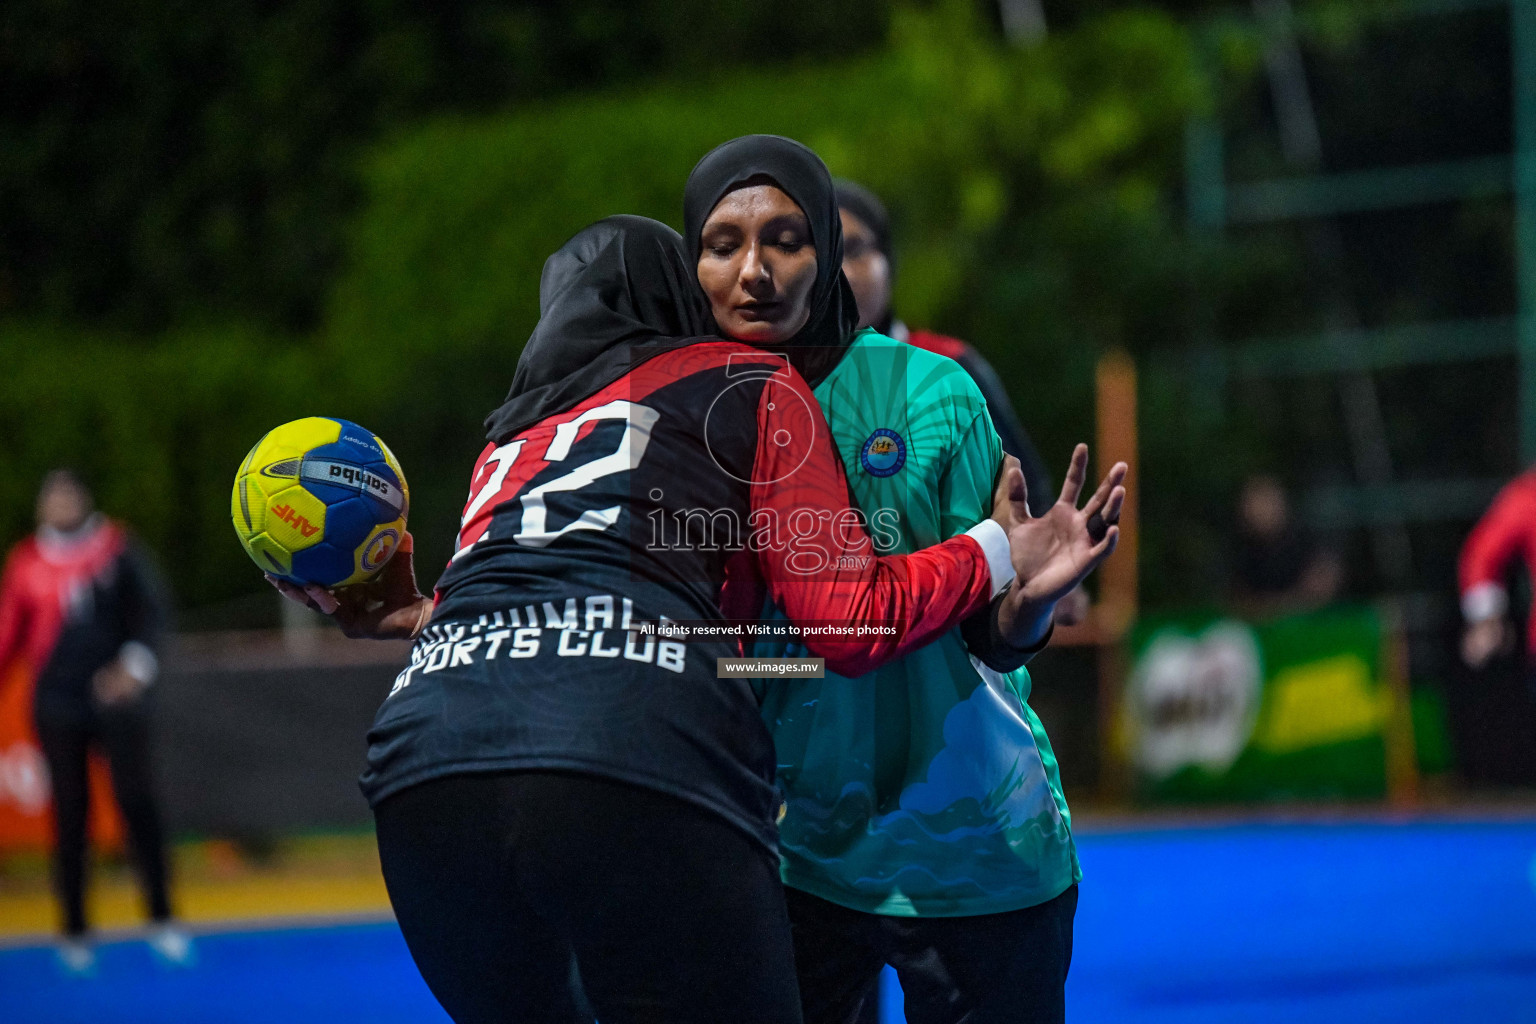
(498, 484)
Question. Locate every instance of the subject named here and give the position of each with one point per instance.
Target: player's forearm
(1022, 623)
(834, 576)
(913, 599)
(147, 605)
(1483, 563)
(1494, 543)
(1009, 632)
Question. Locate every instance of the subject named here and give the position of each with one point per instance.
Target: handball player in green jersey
(924, 824)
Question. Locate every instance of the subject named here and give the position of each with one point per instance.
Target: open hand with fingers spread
(1055, 552)
(387, 607)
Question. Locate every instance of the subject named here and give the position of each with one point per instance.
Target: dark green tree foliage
(176, 160)
(1033, 189)
(157, 429)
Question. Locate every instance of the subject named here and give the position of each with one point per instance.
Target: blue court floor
(1317, 923)
(1426, 921)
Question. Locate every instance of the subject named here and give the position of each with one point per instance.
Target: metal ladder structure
(1377, 500)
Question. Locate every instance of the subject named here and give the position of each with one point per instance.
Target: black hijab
(619, 284)
(816, 349)
(866, 206)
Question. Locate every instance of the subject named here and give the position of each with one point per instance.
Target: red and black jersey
(69, 604)
(629, 509)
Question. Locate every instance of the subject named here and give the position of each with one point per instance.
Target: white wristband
(139, 661)
(1483, 601)
(994, 545)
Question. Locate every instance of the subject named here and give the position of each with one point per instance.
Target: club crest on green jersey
(883, 453)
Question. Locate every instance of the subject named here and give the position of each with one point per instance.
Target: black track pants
(509, 885)
(124, 735)
(1006, 968)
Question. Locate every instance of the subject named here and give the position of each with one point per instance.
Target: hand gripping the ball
(386, 607)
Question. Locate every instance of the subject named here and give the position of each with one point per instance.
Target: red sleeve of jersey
(13, 613)
(944, 345)
(816, 555)
(1506, 530)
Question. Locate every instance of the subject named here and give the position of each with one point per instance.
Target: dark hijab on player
(801, 175)
(619, 284)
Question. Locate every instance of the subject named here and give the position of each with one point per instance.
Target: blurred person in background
(869, 264)
(1278, 567)
(80, 603)
(1496, 703)
(1505, 533)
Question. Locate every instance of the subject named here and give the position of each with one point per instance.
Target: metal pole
(1117, 442)
(1522, 31)
(1205, 176)
(1115, 382)
(1205, 173)
(1360, 404)
(1402, 766)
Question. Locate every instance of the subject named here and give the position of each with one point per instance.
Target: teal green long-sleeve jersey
(926, 788)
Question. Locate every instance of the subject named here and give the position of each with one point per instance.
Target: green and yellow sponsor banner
(1217, 708)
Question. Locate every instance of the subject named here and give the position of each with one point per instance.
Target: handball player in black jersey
(557, 786)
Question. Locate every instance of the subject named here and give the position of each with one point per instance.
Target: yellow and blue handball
(320, 500)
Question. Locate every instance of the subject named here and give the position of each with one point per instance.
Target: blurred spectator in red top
(80, 603)
(1506, 532)
(869, 264)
